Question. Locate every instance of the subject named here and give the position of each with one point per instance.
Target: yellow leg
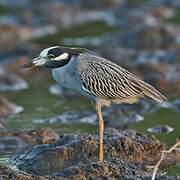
(101, 132)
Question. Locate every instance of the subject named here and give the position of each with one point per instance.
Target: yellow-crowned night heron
(101, 80)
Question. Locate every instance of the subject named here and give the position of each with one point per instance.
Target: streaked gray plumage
(103, 80)
(93, 76)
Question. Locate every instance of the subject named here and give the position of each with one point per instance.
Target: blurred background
(140, 35)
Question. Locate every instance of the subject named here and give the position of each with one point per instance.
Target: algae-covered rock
(126, 154)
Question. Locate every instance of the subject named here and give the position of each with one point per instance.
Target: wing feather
(107, 80)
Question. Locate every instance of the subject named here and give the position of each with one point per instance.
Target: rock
(96, 170)
(113, 169)
(160, 129)
(7, 108)
(30, 137)
(71, 118)
(175, 105)
(155, 57)
(13, 141)
(72, 155)
(10, 145)
(116, 117)
(119, 55)
(8, 173)
(11, 82)
(172, 3)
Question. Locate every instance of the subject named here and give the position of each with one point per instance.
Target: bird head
(52, 57)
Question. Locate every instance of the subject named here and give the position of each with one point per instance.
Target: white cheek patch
(62, 56)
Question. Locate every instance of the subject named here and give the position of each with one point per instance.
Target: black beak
(31, 63)
(27, 65)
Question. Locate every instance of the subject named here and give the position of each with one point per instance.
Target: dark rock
(112, 169)
(7, 108)
(8, 173)
(155, 57)
(97, 170)
(77, 155)
(10, 145)
(161, 129)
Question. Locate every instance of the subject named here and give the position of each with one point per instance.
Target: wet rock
(8, 173)
(96, 170)
(30, 137)
(7, 108)
(11, 82)
(156, 57)
(71, 117)
(173, 73)
(160, 129)
(121, 118)
(115, 116)
(113, 169)
(175, 105)
(119, 55)
(173, 3)
(141, 37)
(149, 107)
(10, 145)
(71, 154)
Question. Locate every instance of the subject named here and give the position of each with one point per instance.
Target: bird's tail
(151, 92)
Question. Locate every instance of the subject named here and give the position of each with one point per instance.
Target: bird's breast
(58, 75)
(65, 78)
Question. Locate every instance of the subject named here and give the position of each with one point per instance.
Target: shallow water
(39, 102)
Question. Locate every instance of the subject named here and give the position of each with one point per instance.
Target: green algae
(4, 10)
(93, 28)
(161, 117)
(175, 19)
(38, 103)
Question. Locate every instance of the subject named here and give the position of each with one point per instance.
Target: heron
(90, 74)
